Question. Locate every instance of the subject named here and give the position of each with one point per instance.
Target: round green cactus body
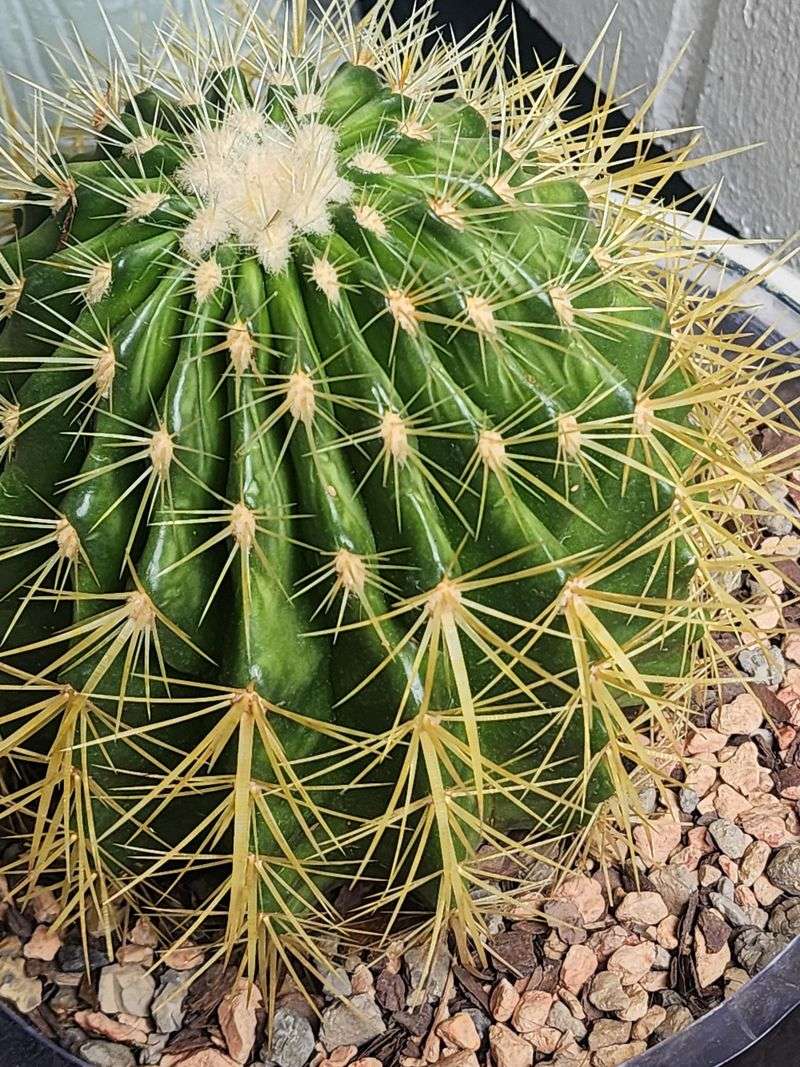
(343, 503)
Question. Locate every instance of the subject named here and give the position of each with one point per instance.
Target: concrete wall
(28, 23)
(739, 79)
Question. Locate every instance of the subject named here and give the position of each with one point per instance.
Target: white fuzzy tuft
(98, 284)
(602, 257)
(562, 305)
(242, 526)
(162, 452)
(261, 184)
(395, 438)
(492, 450)
(369, 218)
(301, 398)
(9, 419)
(140, 146)
(501, 185)
(10, 298)
(644, 417)
(62, 195)
(207, 279)
(67, 544)
(326, 278)
(104, 370)
(308, 104)
(480, 312)
(351, 571)
(371, 163)
(141, 612)
(240, 347)
(447, 211)
(403, 310)
(414, 129)
(143, 204)
(569, 435)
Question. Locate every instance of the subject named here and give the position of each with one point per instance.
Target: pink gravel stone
(508, 1049)
(632, 962)
(459, 1032)
(45, 906)
(44, 943)
(710, 965)
(705, 740)
(127, 1029)
(743, 715)
(532, 1010)
(701, 777)
(656, 840)
(144, 933)
(741, 771)
(645, 908)
(754, 862)
(666, 932)
(579, 965)
(503, 1000)
(765, 892)
(729, 803)
(237, 1014)
(585, 893)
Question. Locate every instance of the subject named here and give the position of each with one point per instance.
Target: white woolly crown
(261, 183)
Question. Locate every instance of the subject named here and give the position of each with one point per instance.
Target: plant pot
(755, 1028)
(22, 1044)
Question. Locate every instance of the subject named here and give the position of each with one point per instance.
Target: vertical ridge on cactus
(367, 469)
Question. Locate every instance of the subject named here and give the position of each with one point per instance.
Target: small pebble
(459, 1032)
(351, 1022)
(735, 915)
(783, 870)
(614, 1055)
(44, 905)
(508, 1048)
(185, 958)
(585, 893)
(43, 945)
(743, 715)
(532, 1010)
(503, 1000)
(645, 908)
(652, 1018)
(607, 994)
(292, 1039)
(107, 1054)
(764, 667)
(741, 770)
(25, 993)
(125, 988)
(579, 965)
(237, 1015)
(729, 838)
(687, 800)
(632, 962)
(609, 1032)
(754, 949)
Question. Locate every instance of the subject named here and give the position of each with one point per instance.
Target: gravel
(783, 869)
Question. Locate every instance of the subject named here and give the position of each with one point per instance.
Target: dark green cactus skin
(422, 518)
